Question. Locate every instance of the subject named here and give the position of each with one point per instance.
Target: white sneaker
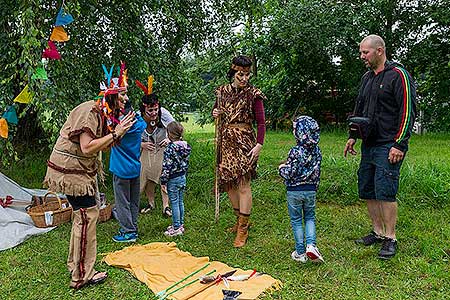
(170, 227)
(301, 258)
(313, 253)
(174, 232)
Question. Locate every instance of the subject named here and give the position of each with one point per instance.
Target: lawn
(421, 270)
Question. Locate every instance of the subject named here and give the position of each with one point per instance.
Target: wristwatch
(114, 135)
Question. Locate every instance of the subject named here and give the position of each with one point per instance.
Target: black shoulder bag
(361, 127)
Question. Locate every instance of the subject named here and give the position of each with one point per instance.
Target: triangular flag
(24, 96)
(51, 52)
(63, 18)
(10, 115)
(59, 35)
(40, 73)
(3, 128)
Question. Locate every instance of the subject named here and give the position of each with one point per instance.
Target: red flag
(51, 52)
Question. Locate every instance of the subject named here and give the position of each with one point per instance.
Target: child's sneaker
(299, 257)
(125, 237)
(313, 253)
(174, 232)
(170, 227)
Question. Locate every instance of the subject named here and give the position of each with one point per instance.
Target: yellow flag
(59, 35)
(24, 96)
(3, 128)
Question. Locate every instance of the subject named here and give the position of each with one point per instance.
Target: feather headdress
(114, 85)
(111, 86)
(148, 90)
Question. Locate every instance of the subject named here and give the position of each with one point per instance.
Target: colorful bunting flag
(24, 96)
(59, 35)
(63, 18)
(51, 52)
(10, 115)
(3, 128)
(40, 73)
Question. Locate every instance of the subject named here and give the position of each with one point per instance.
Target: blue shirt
(124, 160)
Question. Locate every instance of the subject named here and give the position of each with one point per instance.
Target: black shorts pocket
(389, 187)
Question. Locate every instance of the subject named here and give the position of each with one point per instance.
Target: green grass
(36, 269)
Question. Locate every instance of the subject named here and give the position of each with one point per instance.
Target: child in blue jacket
(301, 173)
(125, 165)
(173, 175)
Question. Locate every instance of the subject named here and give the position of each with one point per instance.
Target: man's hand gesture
(349, 147)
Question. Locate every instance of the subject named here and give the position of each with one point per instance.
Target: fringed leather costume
(73, 173)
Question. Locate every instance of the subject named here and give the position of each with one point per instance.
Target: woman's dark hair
(242, 61)
(151, 100)
(175, 131)
(112, 99)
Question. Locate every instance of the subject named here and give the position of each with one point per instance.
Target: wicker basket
(105, 213)
(51, 214)
(39, 200)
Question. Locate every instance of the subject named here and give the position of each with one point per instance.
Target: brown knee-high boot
(242, 231)
(235, 226)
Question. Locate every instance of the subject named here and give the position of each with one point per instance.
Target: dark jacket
(176, 160)
(388, 99)
(301, 171)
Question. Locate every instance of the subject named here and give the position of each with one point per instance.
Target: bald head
(372, 51)
(374, 41)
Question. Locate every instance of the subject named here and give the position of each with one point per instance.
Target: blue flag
(63, 18)
(10, 115)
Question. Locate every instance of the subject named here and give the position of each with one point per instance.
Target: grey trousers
(126, 193)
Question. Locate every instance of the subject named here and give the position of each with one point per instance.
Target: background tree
(150, 36)
(305, 53)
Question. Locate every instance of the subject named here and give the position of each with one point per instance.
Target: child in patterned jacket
(173, 175)
(301, 173)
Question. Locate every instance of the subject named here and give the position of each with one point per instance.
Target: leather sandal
(148, 208)
(99, 279)
(167, 212)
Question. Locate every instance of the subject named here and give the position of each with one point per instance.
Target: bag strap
(359, 100)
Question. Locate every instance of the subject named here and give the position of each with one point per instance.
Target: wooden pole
(218, 155)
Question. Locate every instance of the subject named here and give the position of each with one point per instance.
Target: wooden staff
(218, 154)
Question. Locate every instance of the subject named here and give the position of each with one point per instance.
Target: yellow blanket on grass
(159, 265)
